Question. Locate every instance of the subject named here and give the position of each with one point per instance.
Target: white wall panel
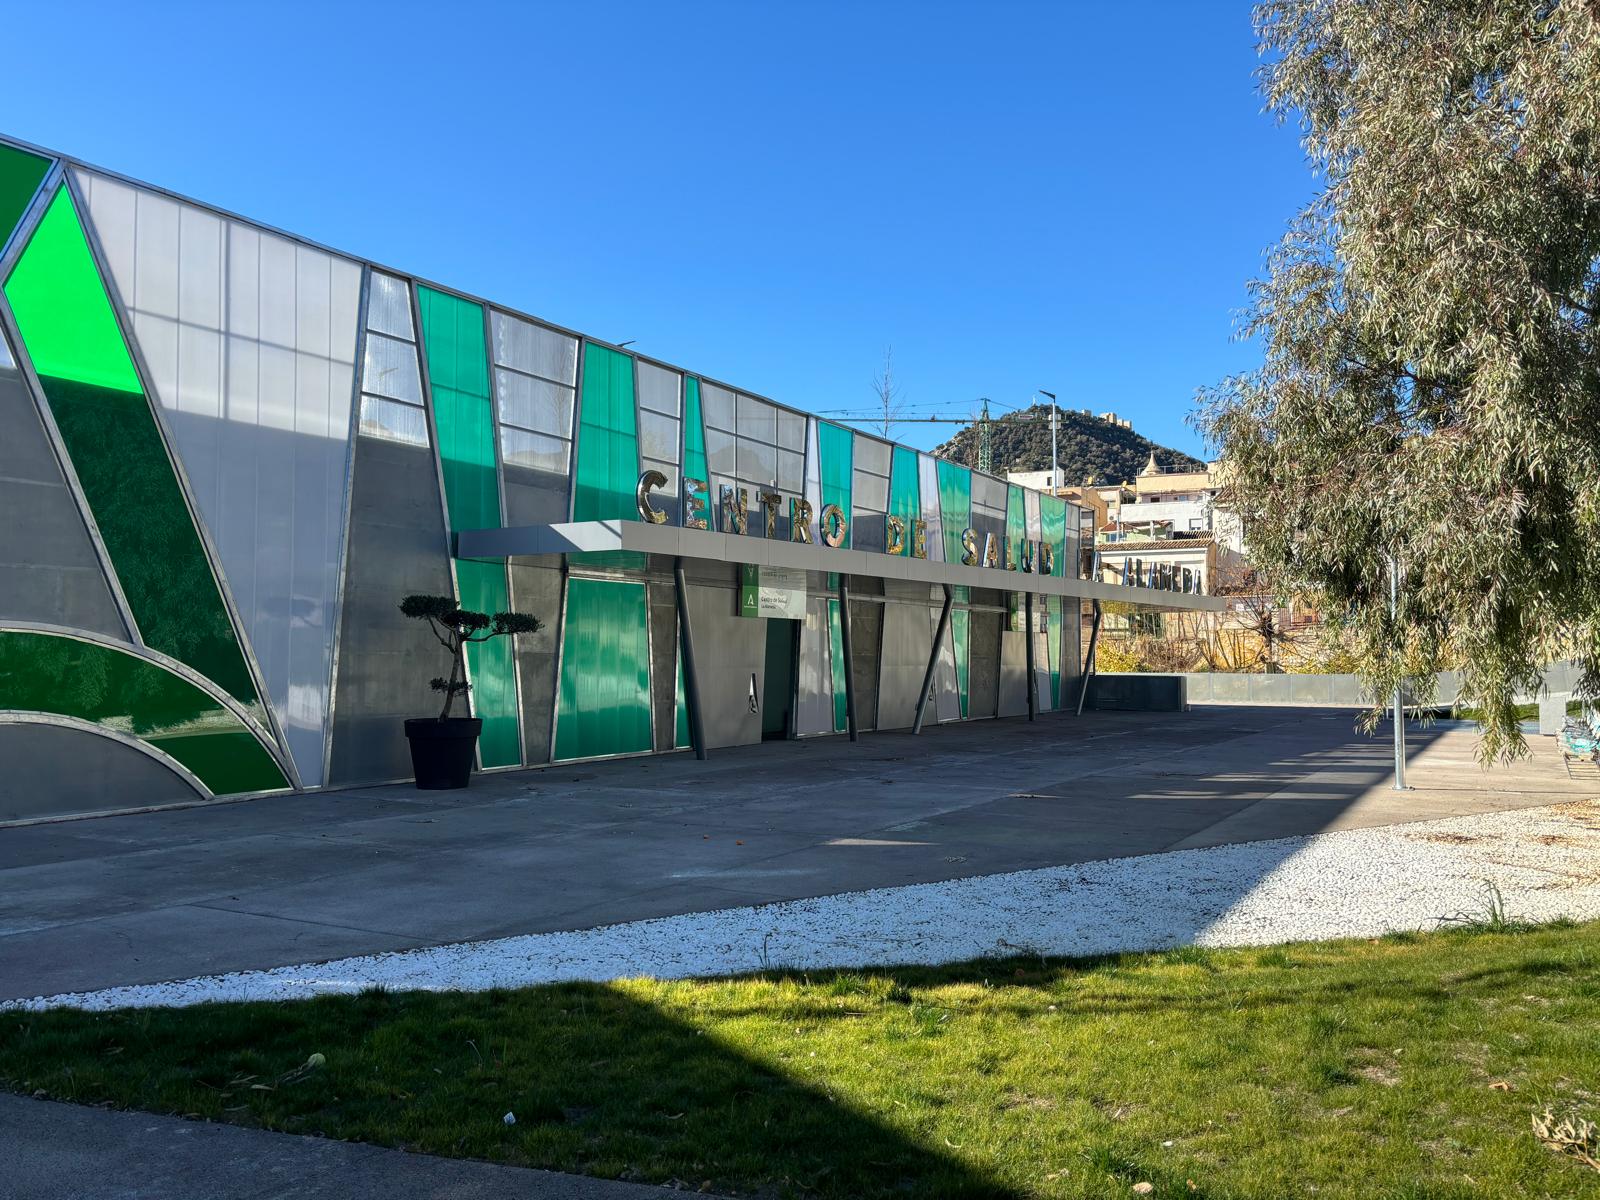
(250, 340)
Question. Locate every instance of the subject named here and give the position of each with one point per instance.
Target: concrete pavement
(166, 895)
(67, 1152)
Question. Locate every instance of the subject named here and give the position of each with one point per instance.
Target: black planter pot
(442, 751)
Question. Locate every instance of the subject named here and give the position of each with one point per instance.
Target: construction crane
(982, 422)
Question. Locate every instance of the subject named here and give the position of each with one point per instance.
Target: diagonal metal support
(1088, 666)
(691, 677)
(849, 660)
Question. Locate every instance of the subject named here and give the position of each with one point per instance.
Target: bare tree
(891, 404)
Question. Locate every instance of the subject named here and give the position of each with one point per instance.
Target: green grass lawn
(1406, 1068)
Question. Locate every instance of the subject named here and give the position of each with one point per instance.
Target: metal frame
(500, 488)
(349, 516)
(22, 716)
(187, 673)
(30, 380)
(849, 658)
(208, 547)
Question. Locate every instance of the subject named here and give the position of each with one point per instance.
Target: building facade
(229, 453)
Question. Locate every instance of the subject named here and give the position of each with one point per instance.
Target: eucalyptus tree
(1430, 385)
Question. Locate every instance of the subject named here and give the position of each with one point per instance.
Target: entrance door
(777, 689)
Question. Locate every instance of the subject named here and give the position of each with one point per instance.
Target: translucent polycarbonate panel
(607, 471)
(792, 431)
(694, 431)
(813, 489)
(722, 456)
(131, 695)
(947, 694)
(758, 463)
(835, 456)
(791, 472)
(120, 457)
(905, 493)
(390, 369)
(814, 694)
(458, 376)
(603, 704)
(536, 451)
(534, 349)
(871, 491)
(393, 422)
(389, 307)
(716, 404)
(1031, 509)
(757, 419)
(872, 455)
(256, 378)
(658, 437)
(490, 665)
(989, 495)
(658, 389)
(928, 487)
(21, 173)
(955, 506)
(681, 739)
(535, 404)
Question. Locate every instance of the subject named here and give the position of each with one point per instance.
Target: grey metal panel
(983, 664)
(259, 412)
(907, 642)
(757, 419)
(866, 631)
(815, 713)
(49, 571)
(1013, 695)
(659, 389)
(396, 547)
(734, 649)
(663, 661)
(536, 589)
(792, 431)
(105, 773)
(716, 407)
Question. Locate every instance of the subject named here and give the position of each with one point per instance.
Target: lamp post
(1055, 474)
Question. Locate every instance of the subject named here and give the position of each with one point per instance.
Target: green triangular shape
(21, 173)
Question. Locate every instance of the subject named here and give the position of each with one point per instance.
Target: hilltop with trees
(1088, 447)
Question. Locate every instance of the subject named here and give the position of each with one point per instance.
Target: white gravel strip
(1544, 862)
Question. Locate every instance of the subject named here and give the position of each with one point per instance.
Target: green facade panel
(955, 506)
(463, 412)
(608, 438)
(603, 703)
(125, 693)
(836, 452)
(21, 173)
(71, 333)
(1053, 527)
(694, 433)
(681, 738)
(1016, 526)
(841, 709)
(905, 492)
(960, 632)
(1054, 608)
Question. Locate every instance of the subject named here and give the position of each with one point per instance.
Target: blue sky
(1013, 196)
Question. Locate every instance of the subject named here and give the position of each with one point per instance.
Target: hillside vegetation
(1088, 447)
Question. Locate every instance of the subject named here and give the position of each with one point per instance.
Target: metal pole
(933, 658)
(1033, 696)
(691, 677)
(1088, 667)
(1399, 714)
(844, 643)
(1055, 470)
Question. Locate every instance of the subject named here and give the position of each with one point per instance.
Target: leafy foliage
(1431, 379)
(455, 627)
(1089, 448)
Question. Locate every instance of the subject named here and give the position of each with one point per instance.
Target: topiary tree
(455, 627)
